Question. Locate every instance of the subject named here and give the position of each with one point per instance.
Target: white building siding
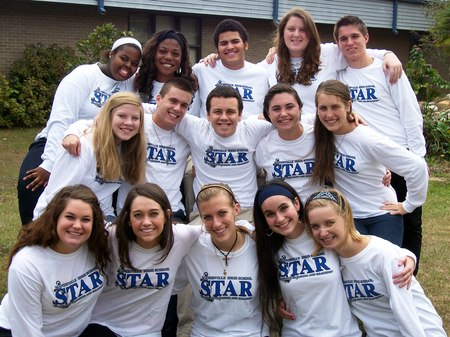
(375, 13)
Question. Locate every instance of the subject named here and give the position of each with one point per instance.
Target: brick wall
(29, 22)
(23, 23)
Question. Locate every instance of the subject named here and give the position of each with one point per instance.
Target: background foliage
(427, 83)
(26, 95)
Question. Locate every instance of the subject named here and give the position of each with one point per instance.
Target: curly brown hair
(147, 72)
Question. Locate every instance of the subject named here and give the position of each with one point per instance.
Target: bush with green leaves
(437, 132)
(8, 104)
(98, 42)
(33, 81)
(425, 80)
(26, 95)
(429, 85)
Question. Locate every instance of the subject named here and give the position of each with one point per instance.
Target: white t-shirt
(390, 109)
(167, 154)
(330, 61)
(361, 160)
(290, 160)
(224, 305)
(79, 95)
(224, 160)
(312, 290)
(50, 294)
(134, 302)
(385, 309)
(82, 169)
(251, 81)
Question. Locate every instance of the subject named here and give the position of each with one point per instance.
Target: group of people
(290, 256)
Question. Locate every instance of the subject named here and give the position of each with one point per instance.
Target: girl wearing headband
(354, 159)
(165, 56)
(80, 95)
(307, 287)
(222, 270)
(368, 264)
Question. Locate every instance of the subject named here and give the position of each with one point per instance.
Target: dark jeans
(97, 330)
(386, 226)
(170, 324)
(5, 332)
(412, 222)
(27, 198)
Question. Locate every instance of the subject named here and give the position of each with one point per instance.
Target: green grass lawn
(434, 274)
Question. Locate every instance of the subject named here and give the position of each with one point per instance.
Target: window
(145, 25)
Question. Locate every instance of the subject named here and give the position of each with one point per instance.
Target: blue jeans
(27, 198)
(412, 222)
(386, 226)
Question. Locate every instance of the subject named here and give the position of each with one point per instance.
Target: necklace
(160, 144)
(338, 146)
(225, 255)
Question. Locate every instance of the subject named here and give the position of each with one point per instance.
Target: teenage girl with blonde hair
(367, 266)
(222, 270)
(113, 151)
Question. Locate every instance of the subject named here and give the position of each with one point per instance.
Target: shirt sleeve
(24, 291)
(70, 96)
(401, 302)
(68, 170)
(181, 279)
(410, 114)
(78, 127)
(405, 163)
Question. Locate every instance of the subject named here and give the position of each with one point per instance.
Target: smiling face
(123, 63)
(352, 43)
(74, 226)
(328, 228)
(295, 36)
(167, 59)
(333, 113)
(231, 49)
(281, 214)
(218, 215)
(125, 122)
(284, 113)
(171, 108)
(224, 115)
(147, 221)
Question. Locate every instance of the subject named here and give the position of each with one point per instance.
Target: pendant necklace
(166, 153)
(225, 255)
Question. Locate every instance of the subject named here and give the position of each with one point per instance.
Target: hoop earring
(179, 71)
(269, 234)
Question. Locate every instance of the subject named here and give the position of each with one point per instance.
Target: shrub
(33, 81)
(426, 81)
(8, 105)
(437, 132)
(99, 42)
(26, 96)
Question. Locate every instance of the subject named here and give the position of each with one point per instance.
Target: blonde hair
(128, 161)
(211, 190)
(341, 207)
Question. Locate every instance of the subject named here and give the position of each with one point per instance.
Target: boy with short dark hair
(250, 80)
